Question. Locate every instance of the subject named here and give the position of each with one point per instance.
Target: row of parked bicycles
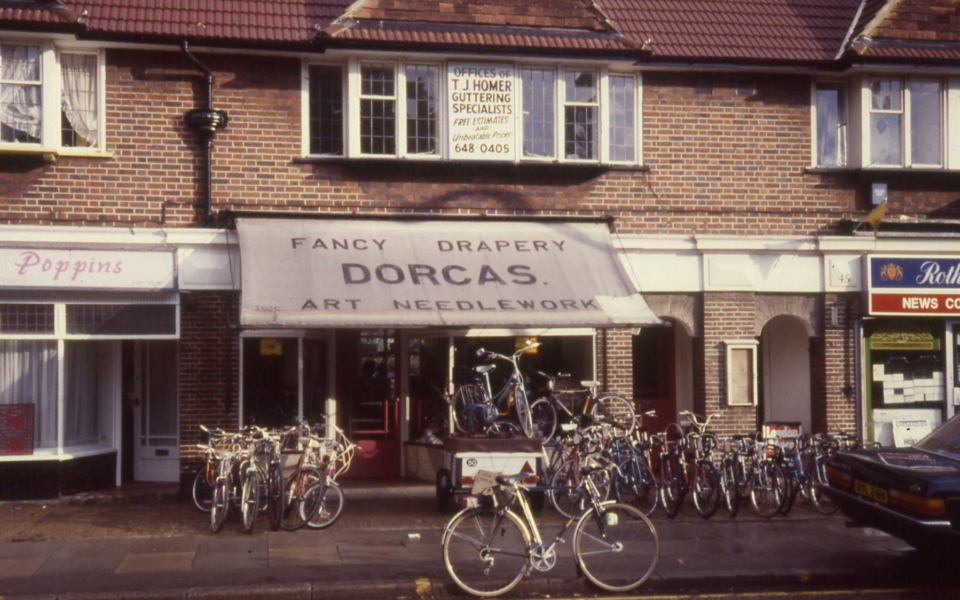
(663, 469)
(243, 473)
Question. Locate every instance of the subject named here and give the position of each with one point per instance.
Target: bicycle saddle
(512, 479)
(482, 369)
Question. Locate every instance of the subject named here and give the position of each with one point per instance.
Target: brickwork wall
(209, 375)
(718, 162)
(619, 356)
(726, 317)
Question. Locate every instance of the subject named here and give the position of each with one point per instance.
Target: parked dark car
(912, 493)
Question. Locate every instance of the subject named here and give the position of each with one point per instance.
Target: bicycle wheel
(202, 491)
(618, 549)
(250, 500)
(617, 411)
(524, 416)
(503, 429)
(728, 487)
(823, 502)
(670, 488)
(330, 509)
(301, 498)
(636, 487)
(274, 496)
(465, 416)
(706, 491)
(544, 419)
(486, 552)
(767, 491)
(565, 494)
(220, 504)
(791, 489)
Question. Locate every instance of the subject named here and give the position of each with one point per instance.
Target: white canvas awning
(395, 273)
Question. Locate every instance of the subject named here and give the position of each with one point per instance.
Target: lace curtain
(84, 392)
(20, 102)
(28, 375)
(79, 94)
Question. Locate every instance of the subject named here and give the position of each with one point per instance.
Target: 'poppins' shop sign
(40, 268)
(916, 285)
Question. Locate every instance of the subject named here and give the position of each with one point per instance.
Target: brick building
(167, 228)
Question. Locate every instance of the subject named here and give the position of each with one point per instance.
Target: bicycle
(670, 484)
(700, 472)
(548, 408)
(476, 407)
(635, 484)
(206, 479)
(768, 489)
(338, 455)
(489, 549)
(305, 488)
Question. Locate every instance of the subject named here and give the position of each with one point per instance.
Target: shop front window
(28, 375)
(270, 382)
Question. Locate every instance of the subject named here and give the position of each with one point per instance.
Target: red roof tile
(919, 20)
(792, 30)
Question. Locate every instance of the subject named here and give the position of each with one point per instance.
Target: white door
(156, 452)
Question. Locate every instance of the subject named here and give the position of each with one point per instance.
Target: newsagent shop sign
(379, 273)
(915, 285)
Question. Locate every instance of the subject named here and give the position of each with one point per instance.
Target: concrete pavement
(388, 546)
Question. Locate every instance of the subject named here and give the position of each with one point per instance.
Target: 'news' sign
(919, 285)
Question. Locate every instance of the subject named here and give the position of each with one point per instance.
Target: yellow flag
(876, 216)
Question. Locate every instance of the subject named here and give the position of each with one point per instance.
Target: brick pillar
(618, 373)
(726, 317)
(209, 375)
(837, 410)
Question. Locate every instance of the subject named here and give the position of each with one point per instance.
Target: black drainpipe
(206, 121)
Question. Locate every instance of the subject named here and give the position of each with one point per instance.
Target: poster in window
(16, 429)
(482, 104)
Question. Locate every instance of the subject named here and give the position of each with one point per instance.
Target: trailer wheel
(444, 490)
(537, 500)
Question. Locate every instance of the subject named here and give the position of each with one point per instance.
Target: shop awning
(399, 273)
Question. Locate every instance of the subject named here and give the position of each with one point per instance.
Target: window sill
(51, 155)
(50, 455)
(459, 164)
(884, 171)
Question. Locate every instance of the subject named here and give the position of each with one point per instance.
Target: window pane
(79, 100)
(885, 95)
(326, 110)
(580, 114)
(538, 112)
(622, 123)
(885, 139)
(122, 319)
(377, 115)
(26, 318)
(831, 130)
(422, 114)
(581, 87)
(28, 375)
(20, 96)
(925, 120)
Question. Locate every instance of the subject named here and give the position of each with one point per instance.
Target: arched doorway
(785, 355)
(663, 372)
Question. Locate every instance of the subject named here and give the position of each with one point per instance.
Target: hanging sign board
(16, 429)
(482, 106)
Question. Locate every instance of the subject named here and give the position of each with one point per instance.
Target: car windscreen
(945, 440)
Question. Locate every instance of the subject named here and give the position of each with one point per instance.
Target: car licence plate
(870, 491)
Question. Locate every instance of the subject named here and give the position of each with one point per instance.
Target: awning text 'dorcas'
(380, 273)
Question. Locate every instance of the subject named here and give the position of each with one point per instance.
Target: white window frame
(906, 161)
(751, 346)
(50, 86)
(351, 106)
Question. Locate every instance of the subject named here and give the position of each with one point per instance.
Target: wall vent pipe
(206, 121)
